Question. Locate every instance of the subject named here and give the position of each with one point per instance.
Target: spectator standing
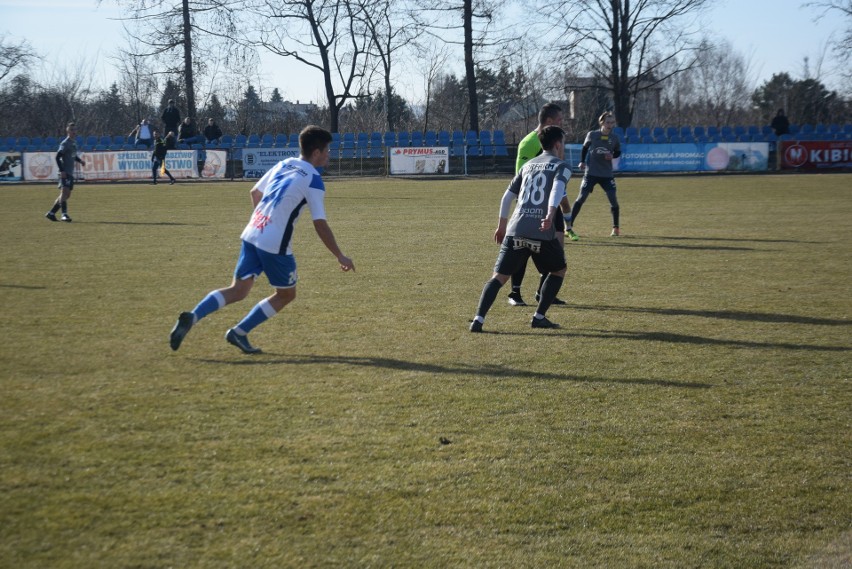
(142, 134)
(171, 117)
(66, 156)
(212, 132)
(780, 124)
(188, 134)
(158, 157)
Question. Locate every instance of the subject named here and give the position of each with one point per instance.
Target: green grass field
(693, 410)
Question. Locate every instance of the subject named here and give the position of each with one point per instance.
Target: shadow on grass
(25, 287)
(492, 371)
(736, 240)
(621, 242)
(702, 341)
(175, 223)
(725, 315)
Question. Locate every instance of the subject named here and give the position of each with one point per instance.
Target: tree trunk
(187, 62)
(470, 72)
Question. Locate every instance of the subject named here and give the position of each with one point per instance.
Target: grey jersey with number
(599, 146)
(533, 186)
(68, 151)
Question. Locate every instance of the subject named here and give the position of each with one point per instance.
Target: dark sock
(549, 290)
(541, 283)
(489, 294)
(64, 206)
(55, 208)
(518, 279)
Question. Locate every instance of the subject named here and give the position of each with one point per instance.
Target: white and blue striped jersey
(287, 187)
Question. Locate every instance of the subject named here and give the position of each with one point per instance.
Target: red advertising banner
(815, 154)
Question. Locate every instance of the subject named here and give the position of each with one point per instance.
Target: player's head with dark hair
(71, 126)
(313, 138)
(605, 115)
(550, 113)
(550, 135)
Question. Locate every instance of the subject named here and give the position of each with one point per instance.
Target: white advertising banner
(256, 161)
(419, 160)
(126, 165)
(10, 167)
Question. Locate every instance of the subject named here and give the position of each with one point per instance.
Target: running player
(278, 198)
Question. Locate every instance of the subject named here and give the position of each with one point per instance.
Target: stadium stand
(267, 141)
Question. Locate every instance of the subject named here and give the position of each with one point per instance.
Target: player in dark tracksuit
(599, 149)
(66, 157)
(538, 188)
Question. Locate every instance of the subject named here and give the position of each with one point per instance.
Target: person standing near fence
(65, 160)
(158, 157)
(599, 149)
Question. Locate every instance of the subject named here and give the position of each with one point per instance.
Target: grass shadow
(493, 371)
(702, 341)
(622, 242)
(738, 315)
(175, 223)
(23, 287)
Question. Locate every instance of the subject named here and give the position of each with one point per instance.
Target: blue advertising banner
(697, 157)
(256, 161)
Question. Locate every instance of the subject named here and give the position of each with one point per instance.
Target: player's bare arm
(327, 237)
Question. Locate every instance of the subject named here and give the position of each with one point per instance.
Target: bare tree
(326, 35)
(631, 43)
(178, 35)
(478, 36)
(14, 55)
(392, 26)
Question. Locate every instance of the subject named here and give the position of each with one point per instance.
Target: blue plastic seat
(402, 138)
(444, 138)
(485, 143)
(644, 131)
(806, 129)
(685, 131)
(698, 130)
(820, 128)
(658, 132)
(672, 131)
(240, 141)
(389, 138)
(416, 138)
(430, 138)
(631, 131)
(280, 140)
(267, 141)
(226, 141)
(294, 140)
(619, 132)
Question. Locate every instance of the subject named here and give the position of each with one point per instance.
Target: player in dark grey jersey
(65, 159)
(600, 147)
(538, 188)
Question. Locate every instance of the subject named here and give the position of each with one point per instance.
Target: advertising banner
(106, 166)
(697, 157)
(10, 167)
(419, 160)
(256, 161)
(815, 154)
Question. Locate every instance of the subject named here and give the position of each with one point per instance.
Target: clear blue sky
(775, 35)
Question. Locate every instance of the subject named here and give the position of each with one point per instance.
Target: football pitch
(692, 411)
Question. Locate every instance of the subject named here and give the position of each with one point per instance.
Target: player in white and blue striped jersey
(279, 198)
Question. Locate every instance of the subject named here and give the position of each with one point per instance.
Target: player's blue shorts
(279, 269)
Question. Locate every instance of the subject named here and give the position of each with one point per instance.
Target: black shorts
(559, 221)
(548, 256)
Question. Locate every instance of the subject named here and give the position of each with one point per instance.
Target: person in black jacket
(171, 117)
(212, 132)
(780, 124)
(158, 157)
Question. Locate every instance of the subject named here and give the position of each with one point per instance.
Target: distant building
(588, 97)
